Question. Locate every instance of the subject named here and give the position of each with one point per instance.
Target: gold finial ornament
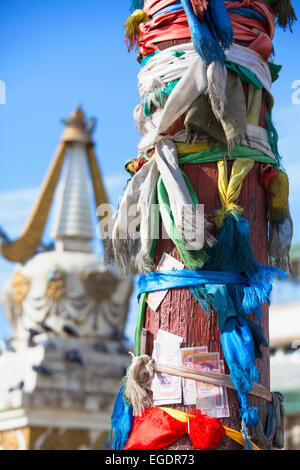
(77, 128)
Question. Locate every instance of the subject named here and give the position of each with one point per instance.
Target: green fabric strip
(140, 324)
(272, 136)
(245, 74)
(146, 59)
(191, 259)
(275, 69)
(159, 96)
(214, 154)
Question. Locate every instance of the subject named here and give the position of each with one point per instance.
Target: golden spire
(77, 130)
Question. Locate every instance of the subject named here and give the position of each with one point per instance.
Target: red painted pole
(182, 315)
(179, 312)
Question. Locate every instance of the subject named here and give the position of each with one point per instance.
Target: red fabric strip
(260, 43)
(155, 429)
(172, 25)
(153, 6)
(261, 7)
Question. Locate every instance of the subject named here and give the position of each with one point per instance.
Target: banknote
(189, 386)
(224, 411)
(167, 389)
(167, 263)
(209, 397)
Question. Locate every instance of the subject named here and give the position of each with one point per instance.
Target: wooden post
(180, 313)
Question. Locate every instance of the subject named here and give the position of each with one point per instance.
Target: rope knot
(220, 214)
(139, 377)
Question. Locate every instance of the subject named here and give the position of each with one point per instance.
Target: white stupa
(62, 372)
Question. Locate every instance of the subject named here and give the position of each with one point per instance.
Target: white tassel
(139, 377)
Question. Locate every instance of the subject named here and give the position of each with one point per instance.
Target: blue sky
(55, 54)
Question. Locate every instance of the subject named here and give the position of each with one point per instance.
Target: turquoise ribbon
(163, 280)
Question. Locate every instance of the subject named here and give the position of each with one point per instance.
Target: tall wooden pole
(180, 313)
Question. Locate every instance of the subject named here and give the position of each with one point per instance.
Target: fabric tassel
(220, 23)
(232, 300)
(212, 35)
(280, 242)
(276, 184)
(258, 338)
(233, 252)
(157, 98)
(248, 413)
(285, 13)
(246, 438)
(238, 348)
(219, 298)
(239, 351)
(132, 27)
(121, 422)
(279, 198)
(259, 288)
(138, 379)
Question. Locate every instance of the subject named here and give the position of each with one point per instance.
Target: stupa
(62, 368)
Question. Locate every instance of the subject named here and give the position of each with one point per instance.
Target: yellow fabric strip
(184, 417)
(230, 191)
(177, 414)
(189, 149)
(237, 437)
(254, 104)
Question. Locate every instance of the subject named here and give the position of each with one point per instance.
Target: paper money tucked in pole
(211, 399)
(189, 386)
(167, 263)
(167, 389)
(223, 412)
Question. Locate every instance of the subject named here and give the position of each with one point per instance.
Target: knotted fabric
(230, 191)
(158, 428)
(252, 22)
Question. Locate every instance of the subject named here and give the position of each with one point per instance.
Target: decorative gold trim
(98, 186)
(27, 244)
(20, 287)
